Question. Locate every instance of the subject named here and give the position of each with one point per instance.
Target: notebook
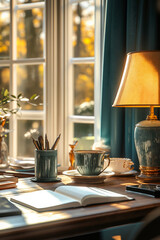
(7, 185)
(67, 197)
(7, 208)
(7, 181)
(11, 178)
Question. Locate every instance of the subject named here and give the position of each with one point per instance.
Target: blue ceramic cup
(90, 162)
(46, 165)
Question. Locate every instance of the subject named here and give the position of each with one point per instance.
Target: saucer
(77, 177)
(125, 174)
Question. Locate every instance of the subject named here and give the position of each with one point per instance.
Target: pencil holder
(46, 166)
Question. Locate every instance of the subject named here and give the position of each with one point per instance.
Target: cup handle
(106, 155)
(130, 166)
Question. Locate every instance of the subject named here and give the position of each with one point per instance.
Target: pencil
(35, 143)
(41, 142)
(56, 142)
(46, 142)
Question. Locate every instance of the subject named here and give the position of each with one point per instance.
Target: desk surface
(74, 221)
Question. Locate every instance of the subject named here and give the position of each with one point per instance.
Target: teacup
(120, 165)
(90, 162)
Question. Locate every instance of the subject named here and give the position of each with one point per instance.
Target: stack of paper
(23, 165)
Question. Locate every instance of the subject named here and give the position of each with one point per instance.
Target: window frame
(12, 62)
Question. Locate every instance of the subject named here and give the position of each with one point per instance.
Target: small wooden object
(71, 155)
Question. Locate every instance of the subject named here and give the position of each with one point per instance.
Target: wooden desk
(72, 222)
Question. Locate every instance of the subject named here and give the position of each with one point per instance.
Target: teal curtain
(131, 25)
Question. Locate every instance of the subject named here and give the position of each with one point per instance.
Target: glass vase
(3, 153)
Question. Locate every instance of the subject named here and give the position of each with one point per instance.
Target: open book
(67, 197)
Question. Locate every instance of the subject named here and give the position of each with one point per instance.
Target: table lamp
(140, 87)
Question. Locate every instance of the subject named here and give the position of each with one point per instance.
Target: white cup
(120, 165)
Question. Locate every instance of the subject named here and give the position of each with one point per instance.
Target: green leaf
(13, 96)
(2, 91)
(33, 96)
(6, 93)
(19, 95)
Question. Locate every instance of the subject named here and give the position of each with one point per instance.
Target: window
(48, 48)
(83, 34)
(22, 67)
(81, 58)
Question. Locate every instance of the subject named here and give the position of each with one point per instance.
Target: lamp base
(147, 142)
(149, 174)
(150, 171)
(148, 179)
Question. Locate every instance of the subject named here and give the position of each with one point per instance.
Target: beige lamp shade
(140, 83)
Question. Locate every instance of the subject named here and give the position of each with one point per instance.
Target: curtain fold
(131, 25)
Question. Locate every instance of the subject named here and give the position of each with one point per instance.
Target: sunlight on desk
(46, 217)
(5, 224)
(118, 237)
(31, 217)
(129, 183)
(120, 206)
(27, 185)
(22, 187)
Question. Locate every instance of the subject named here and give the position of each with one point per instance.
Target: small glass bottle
(71, 155)
(3, 153)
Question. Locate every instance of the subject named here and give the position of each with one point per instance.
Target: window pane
(84, 133)
(25, 128)
(4, 34)
(29, 82)
(30, 35)
(4, 77)
(4, 3)
(83, 29)
(28, 1)
(84, 89)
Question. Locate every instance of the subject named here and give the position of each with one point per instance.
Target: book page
(45, 200)
(78, 193)
(104, 192)
(91, 195)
